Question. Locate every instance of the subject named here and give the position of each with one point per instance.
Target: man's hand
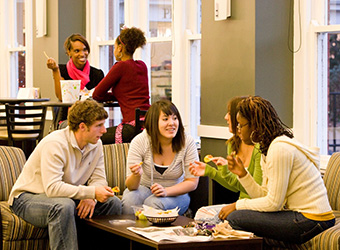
(225, 211)
(103, 193)
(86, 207)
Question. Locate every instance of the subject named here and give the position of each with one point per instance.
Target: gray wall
(245, 55)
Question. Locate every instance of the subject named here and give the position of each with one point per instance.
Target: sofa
(19, 234)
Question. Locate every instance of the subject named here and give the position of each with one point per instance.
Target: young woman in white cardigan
(291, 204)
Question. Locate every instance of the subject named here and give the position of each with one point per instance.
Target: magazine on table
(176, 233)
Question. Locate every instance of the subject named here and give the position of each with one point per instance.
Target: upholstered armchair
(15, 232)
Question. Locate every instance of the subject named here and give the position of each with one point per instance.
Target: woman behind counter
(77, 68)
(158, 162)
(127, 83)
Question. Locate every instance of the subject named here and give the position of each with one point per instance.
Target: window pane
(160, 18)
(106, 57)
(20, 20)
(334, 93)
(160, 71)
(195, 86)
(199, 16)
(115, 18)
(18, 64)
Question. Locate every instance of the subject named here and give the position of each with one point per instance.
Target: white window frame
(8, 47)
(309, 106)
(184, 32)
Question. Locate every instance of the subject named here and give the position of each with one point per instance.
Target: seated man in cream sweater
(65, 177)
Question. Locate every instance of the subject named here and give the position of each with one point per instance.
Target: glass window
(160, 18)
(20, 21)
(334, 12)
(17, 50)
(160, 71)
(334, 92)
(106, 56)
(18, 68)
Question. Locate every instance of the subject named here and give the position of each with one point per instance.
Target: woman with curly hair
(292, 203)
(127, 83)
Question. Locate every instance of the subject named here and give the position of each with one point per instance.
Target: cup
(70, 90)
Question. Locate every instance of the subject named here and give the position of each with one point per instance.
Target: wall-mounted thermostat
(222, 9)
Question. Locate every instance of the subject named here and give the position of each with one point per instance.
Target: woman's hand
(51, 64)
(225, 211)
(158, 190)
(197, 168)
(136, 169)
(235, 165)
(219, 161)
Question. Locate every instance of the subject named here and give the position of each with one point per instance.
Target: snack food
(139, 213)
(208, 158)
(116, 189)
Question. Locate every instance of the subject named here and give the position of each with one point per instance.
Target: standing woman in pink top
(127, 83)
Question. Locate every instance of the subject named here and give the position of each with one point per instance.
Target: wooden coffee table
(100, 230)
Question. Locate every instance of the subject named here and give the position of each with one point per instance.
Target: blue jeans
(144, 196)
(288, 226)
(58, 215)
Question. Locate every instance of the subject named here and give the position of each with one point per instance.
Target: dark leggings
(128, 133)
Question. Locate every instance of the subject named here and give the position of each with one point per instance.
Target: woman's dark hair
(131, 38)
(235, 140)
(88, 112)
(151, 125)
(262, 116)
(73, 38)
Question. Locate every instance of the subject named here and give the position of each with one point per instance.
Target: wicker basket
(161, 220)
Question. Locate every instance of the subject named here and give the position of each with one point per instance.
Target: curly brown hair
(132, 38)
(262, 116)
(75, 37)
(88, 112)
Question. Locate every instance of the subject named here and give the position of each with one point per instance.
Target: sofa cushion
(115, 164)
(15, 228)
(12, 161)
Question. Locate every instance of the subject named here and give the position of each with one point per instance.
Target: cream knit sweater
(291, 180)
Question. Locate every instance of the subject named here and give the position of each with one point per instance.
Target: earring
(251, 137)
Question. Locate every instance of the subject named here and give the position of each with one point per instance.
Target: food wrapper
(153, 212)
(70, 90)
(86, 94)
(224, 230)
